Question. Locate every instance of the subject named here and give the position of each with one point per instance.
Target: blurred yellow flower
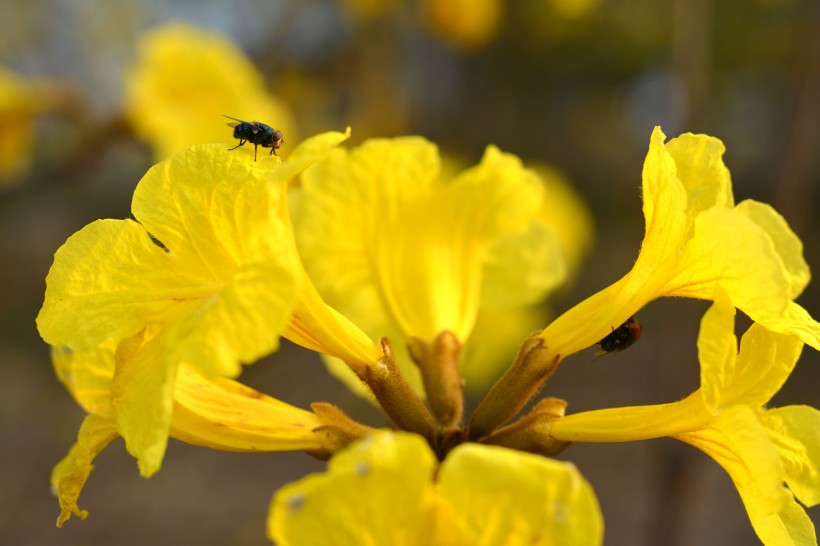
(182, 83)
(22, 101)
(726, 418)
(467, 24)
(566, 215)
(388, 489)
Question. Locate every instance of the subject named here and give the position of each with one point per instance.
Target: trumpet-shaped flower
(406, 255)
(388, 489)
(207, 273)
(185, 79)
(696, 238)
(207, 411)
(760, 449)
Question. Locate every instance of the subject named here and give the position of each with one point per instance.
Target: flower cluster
(390, 269)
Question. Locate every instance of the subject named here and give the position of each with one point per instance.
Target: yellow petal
(222, 414)
(793, 429)
(739, 443)
(436, 283)
(664, 204)
(70, 474)
(788, 246)
(317, 326)
(765, 361)
(796, 321)
(142, 397)
(87, 375)
(717, 350)
(729, 248)
(96, 289)
(375, 217)
(700, 169)
(184, 79)
(227, 282)
(505, 497)
(633, 423)
(522, 268)
(308, 152)
(375, 492)
(789, 526)
(345, 204)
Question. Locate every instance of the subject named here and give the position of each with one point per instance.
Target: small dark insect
(257, 134)
(621, 337)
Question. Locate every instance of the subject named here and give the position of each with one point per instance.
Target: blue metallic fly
(257, 134)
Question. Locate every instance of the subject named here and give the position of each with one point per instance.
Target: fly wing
(235, 121)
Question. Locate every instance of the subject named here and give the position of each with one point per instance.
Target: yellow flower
(207, 274)
(696, 239)
(726, 418)
(407, 255)
(185, 79)
(388, 489)
(211, 412)
(22, 100)
(149, 315)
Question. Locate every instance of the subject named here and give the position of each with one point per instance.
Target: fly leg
(241, 142)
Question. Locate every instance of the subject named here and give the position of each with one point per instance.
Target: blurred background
(575, 84)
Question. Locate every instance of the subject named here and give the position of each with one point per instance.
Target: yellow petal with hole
(226, 280)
